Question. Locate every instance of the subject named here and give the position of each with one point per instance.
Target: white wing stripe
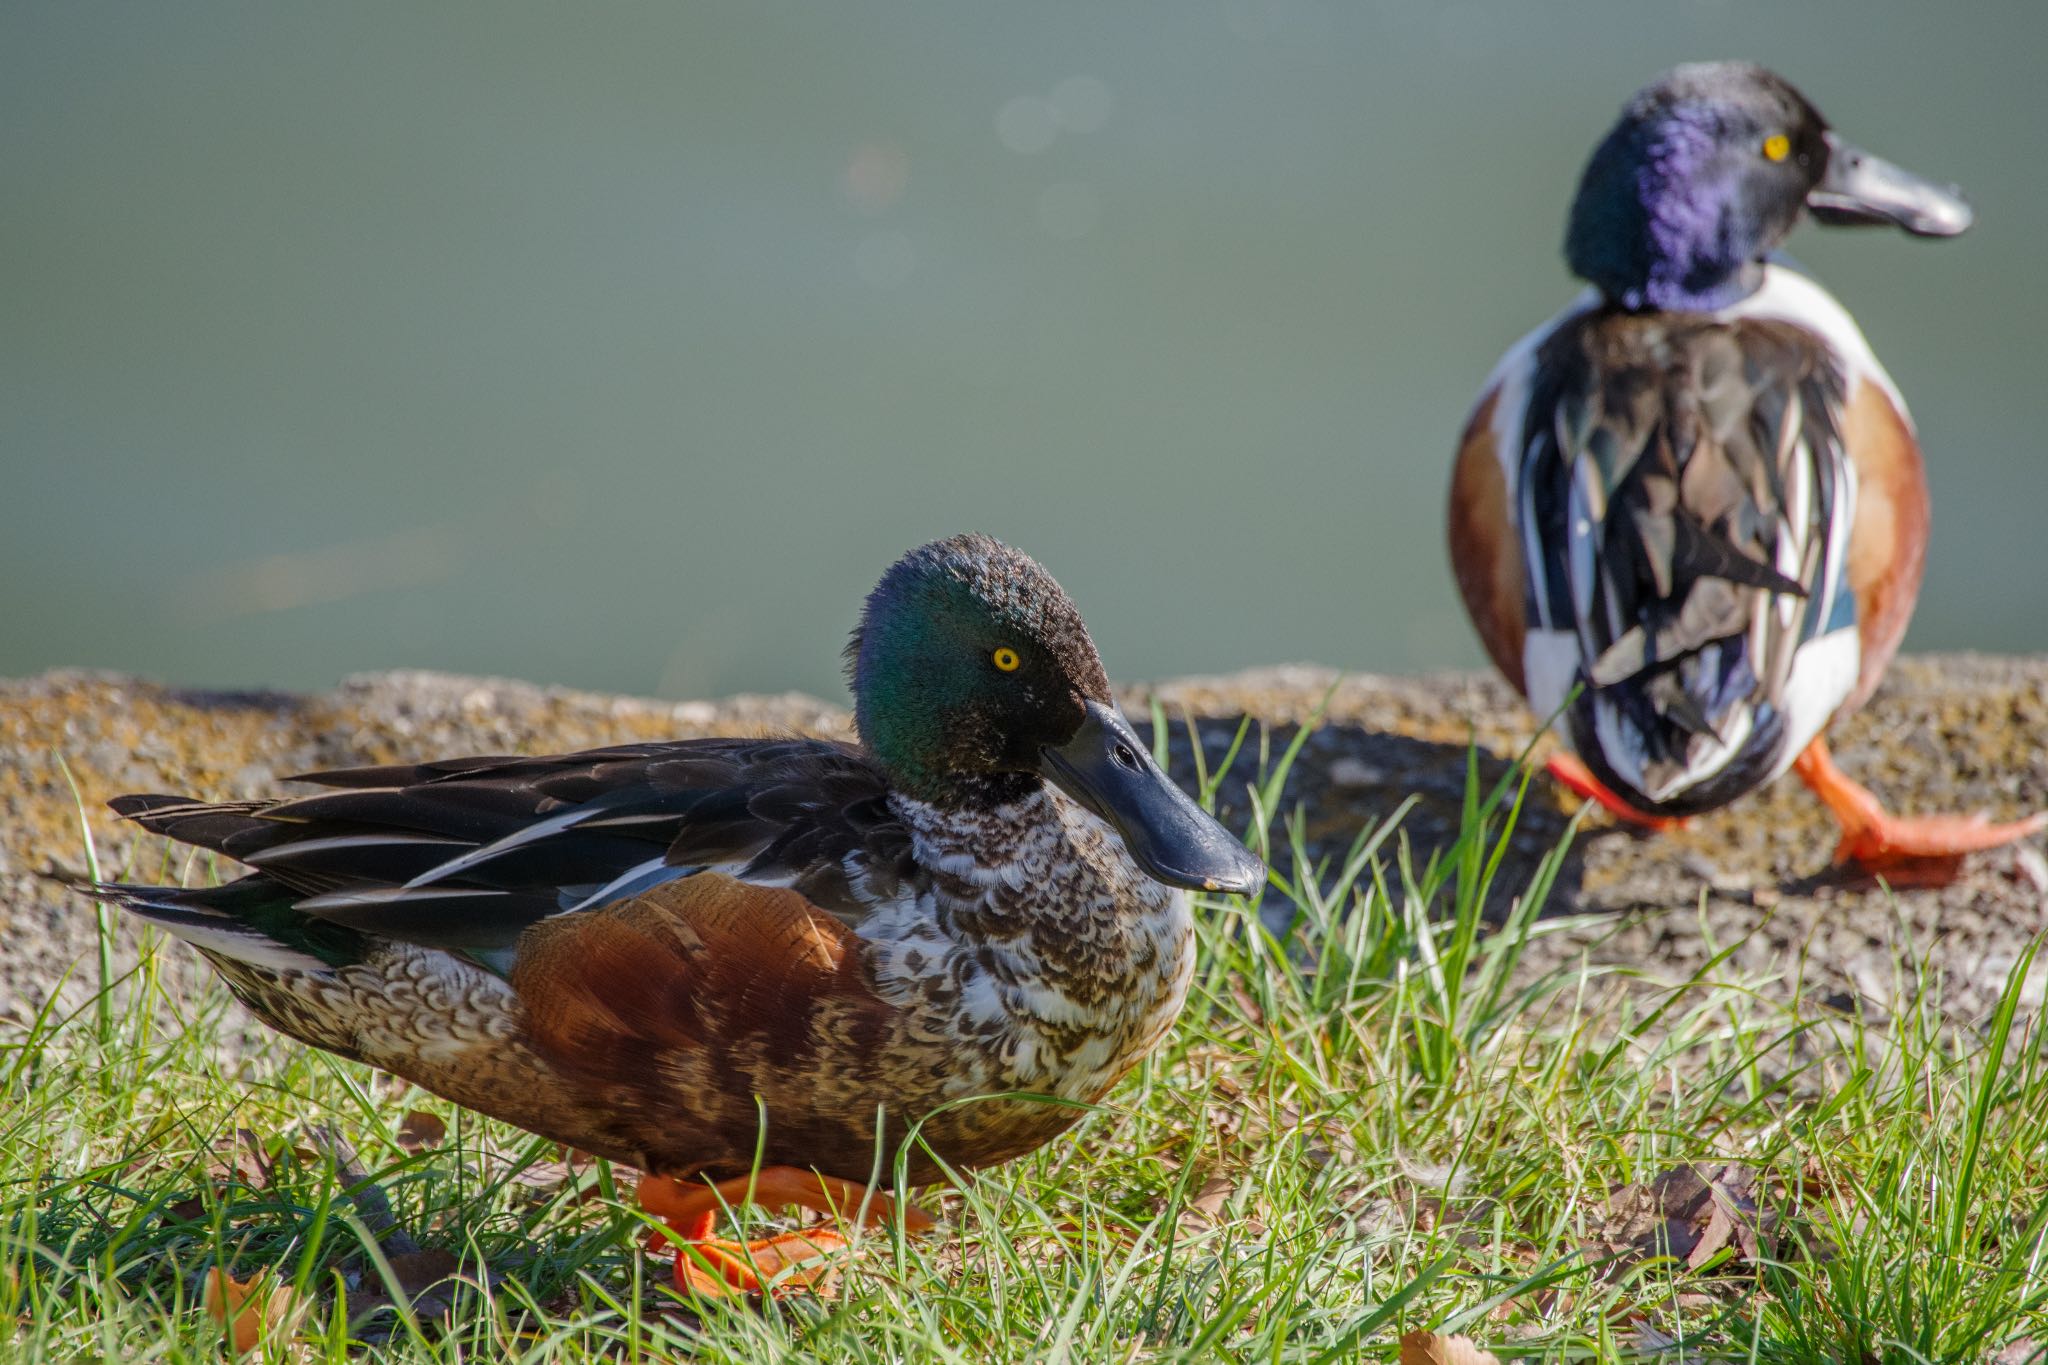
(518, 838)
(340, 841)
(386, 895)
(631, 882)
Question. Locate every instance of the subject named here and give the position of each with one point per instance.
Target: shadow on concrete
(1347, 778)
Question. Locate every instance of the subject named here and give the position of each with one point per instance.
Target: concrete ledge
(1958, 732)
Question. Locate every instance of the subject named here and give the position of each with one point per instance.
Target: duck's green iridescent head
(974, 681)
(1708, 169)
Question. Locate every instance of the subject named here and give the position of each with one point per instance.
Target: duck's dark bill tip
(1108, 770)
(1861, 190)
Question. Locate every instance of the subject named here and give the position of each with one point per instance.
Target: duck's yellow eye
(1006, 659)
(1777, 147)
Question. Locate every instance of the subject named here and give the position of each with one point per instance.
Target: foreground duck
(684, 956)
(1695, 496)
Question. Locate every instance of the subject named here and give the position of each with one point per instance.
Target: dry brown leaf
(418, 1271)
(250, 1309)
(421, 1131)
(252, 1160)
(186, 1210)
(243, 1162)
(1690, 1213)
(246, 1163)
(1819, 1181)
(1214, 1194)
(1431, 1348)
(1205, 1208)
(1717, 1234)
(545, 1178)
(1653, 1341)
(426, 1281)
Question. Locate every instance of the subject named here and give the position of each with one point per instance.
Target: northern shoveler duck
(1695, 496)
(688, 956)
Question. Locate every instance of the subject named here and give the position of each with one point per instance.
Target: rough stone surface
(1955, 732)
(1951, 732)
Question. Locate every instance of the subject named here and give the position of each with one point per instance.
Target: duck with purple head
(1688, 516)
(688, 956)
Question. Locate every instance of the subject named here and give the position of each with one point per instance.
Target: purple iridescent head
(1708, 170)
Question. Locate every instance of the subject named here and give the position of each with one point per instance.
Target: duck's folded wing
(467, 853)
(1686, 514)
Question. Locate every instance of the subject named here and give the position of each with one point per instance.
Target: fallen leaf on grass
(246, 1164)
(542, 1179)
(244, 1161)
(253, 1162)
(250, 1309)
(1721, 1229)
(1431, 1348)
(1214, 1194)
(417, 1271)
(1690, 1213)
(427, 1282)
(1653, 1341)
(545, 1179)
(420, 1131)
(187, 1210)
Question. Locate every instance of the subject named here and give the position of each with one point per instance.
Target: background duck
(1695, 495)
(678, 955)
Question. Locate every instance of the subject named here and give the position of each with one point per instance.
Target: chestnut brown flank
(1888, 544)
(693, 965)
(1485, 552)
(672, 1012)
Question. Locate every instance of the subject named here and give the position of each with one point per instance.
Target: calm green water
(622, 347)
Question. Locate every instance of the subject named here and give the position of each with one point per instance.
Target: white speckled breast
(1040, 948)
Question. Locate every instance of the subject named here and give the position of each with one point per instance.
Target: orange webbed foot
(1924, 850)
(1571, 773)
(714, 1267)
(711, 1266)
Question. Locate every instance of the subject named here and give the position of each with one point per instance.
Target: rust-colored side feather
(1485, 550)
(698, 963)
(1888, 541)
(673, 1012)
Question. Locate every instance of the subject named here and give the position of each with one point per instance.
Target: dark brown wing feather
(466, 853)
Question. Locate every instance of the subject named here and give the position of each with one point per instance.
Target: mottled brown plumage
(820, 944)
(659, 1030)
(693, 955)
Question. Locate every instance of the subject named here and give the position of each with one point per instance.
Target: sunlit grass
(1381, 1119)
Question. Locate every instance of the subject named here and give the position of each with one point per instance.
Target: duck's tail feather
(191, 821)
(248, 920)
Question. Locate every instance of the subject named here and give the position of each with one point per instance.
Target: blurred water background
(622, 346)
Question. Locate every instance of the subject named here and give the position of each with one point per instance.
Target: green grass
(1383, 1120)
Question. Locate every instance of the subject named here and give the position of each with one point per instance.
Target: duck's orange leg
(1572, 773)
(713, 1266)
(1924, 850)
